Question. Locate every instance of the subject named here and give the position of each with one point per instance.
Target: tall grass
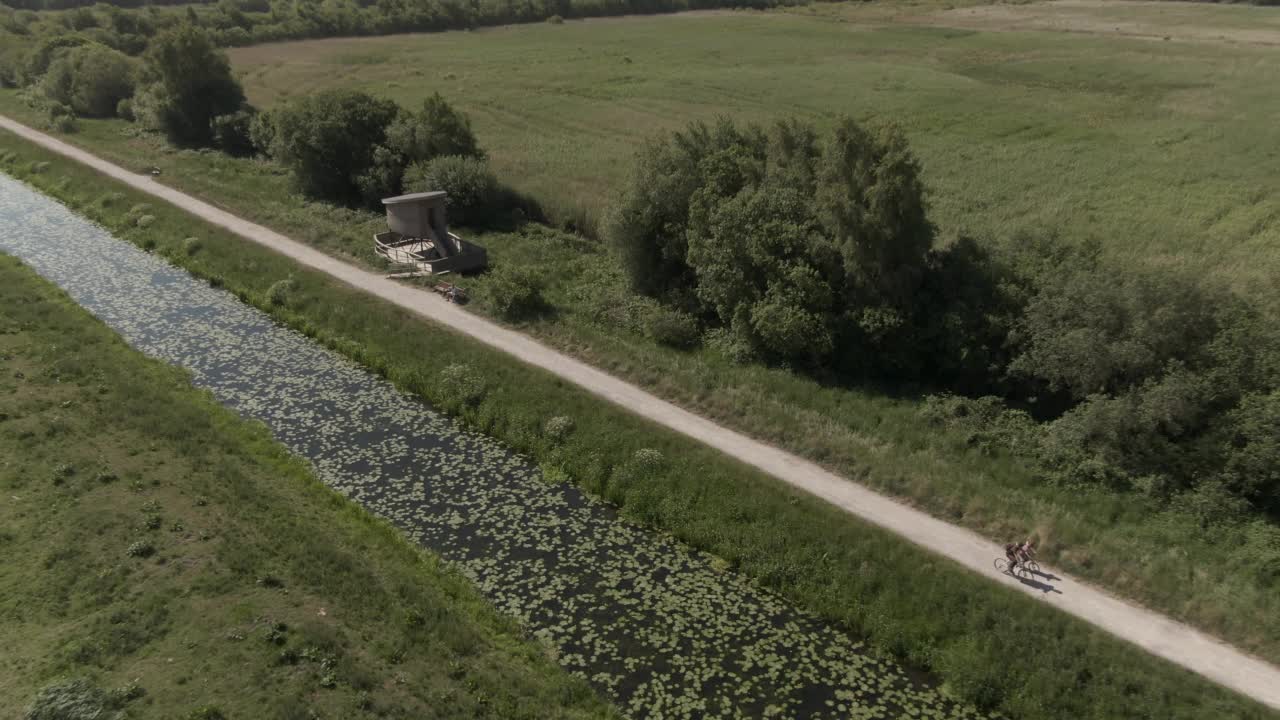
(991, 645)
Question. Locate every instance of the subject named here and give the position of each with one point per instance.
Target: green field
(154, 541)
(1152, 127)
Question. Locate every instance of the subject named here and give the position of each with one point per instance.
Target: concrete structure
(420, 236)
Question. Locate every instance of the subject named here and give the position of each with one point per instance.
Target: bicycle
(1024, 569)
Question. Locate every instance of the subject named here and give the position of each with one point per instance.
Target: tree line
(785, 245)
(129, 26)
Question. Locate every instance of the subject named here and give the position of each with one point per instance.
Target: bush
(672, 328)
(124, 109)
(472, 188)
(232, 134)
(64, 124)
(92, 79)
(140, 549)
(75, 699)
(729, 345)
(462, 385)
(513, 293)
(328, 141)
(278, 293)
(558, 428)
(555, 20)
(145, 221)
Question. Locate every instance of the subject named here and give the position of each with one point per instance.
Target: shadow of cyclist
(1041, 586)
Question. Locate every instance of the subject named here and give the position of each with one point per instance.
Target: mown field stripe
(1155, 633)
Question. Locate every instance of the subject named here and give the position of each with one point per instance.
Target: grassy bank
(990, 645)
(1220, 580)
(153, 540)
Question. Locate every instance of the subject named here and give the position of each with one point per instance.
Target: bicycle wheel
(1002, 565)
(1032, 567)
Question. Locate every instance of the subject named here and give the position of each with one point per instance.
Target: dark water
(652, 625)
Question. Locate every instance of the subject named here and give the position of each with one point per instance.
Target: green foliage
(74, 699)
(799, 249)
(514, 293)
(140, 549)
(278, 293)
(328, 141)
(232, 132)
(473, 191)
(463, 385)
(672, 328)
(558, 428)
(92, 79)
(649, 224)
(63, 123)
(190, 84)
(434, 131)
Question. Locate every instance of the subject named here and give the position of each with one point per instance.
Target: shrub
(672, 328)
(93, 79)
(65, 124)
(513, 293)
(191, 245)
(75, 699)
(146, 221)
(140, 549)
(278, 293)
(472, 188)
(124, 109)
(729, 345)
(555, 20)
(462, 385)
(558, 428)
(231, 133)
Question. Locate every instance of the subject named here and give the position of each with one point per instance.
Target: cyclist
(1027, 550)
(1013, 555)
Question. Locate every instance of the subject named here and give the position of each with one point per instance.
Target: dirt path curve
(1157, 634)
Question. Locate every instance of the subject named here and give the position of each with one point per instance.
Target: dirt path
(1157, 634)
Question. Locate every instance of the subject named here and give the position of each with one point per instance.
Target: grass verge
(156, 544)
(990, 645)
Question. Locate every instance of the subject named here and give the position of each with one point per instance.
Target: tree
(191, 84)
(91, 79)
(471, 186)
(1094, 332)
(649, 224)
(765, 265)
(329, 142)
(872, 201)
(435, 131)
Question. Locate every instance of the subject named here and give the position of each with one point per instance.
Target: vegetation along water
(654, 626)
